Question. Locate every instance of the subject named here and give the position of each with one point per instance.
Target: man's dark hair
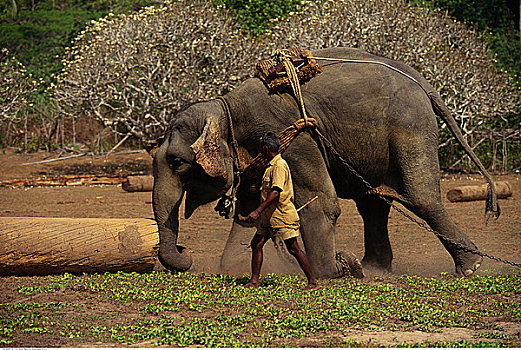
(271, 141)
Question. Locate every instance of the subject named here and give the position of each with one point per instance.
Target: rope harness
(259, 163)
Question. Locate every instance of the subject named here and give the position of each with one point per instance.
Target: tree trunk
(38, 246)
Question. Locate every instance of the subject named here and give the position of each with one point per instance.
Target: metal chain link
(343, 264)
(419, 223)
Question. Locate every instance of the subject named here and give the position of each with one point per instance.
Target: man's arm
(273, 196)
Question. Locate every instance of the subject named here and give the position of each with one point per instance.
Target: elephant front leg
(318, 222)
(317, 226)
(235, 259)
(318, 219)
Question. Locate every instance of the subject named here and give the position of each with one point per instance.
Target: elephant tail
(440, 109)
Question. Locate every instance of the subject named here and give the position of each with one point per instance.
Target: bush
(495, 18)
(132, 73)
(16, 88)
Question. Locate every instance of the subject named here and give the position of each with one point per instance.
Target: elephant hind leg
(420, 188)
(375, 213)
(451, 236)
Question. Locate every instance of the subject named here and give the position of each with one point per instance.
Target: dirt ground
(415, 250)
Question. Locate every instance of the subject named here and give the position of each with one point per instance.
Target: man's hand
(273, 196)
(253, 216)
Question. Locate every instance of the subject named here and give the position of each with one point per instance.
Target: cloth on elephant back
(281, 83)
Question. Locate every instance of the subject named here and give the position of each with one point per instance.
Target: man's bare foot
(252, 285)
(311, 286)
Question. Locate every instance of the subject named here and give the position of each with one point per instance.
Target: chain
(343, 264)
(419, 223)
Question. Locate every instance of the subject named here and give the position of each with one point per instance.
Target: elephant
(381, 118)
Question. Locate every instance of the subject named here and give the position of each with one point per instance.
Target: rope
(228, 202)
(286, 136)
(294, 81)
(352, 60)
(235, 146)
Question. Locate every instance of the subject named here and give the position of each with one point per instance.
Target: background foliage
(47, 28)
(256, 16)
(38, 34)
(498, 19)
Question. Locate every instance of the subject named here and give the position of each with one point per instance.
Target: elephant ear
(208, 151)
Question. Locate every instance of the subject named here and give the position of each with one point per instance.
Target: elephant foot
(377, 265)
(467, 268)
(348, 264)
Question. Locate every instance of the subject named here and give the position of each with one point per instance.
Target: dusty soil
(415, 250)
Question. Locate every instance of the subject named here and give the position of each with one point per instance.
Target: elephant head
(195, 158)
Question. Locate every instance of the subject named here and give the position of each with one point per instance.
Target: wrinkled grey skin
(383, 123)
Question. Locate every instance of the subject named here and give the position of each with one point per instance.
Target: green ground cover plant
(217, 311)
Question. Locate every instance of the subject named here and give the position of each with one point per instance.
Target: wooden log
(36, 246)
(66, 180)
(478, 192)
(144, 183)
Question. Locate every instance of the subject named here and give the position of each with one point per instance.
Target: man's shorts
(278, 234)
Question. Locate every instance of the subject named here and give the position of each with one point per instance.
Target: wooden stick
(119, 144)
(307, 203)
(58, 159)
(243, 218)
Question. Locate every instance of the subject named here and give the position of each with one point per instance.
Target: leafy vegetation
(39, 34)
(497, 20)
(256, 16)
(217, 311)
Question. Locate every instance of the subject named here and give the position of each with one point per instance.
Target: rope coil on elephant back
(270, 71)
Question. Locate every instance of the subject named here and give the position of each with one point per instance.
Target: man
(278, 216)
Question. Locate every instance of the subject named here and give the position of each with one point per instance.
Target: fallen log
(65, 180)
(39, 246)
(478, 192)
(143, 183)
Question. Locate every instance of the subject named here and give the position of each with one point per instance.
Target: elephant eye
(179, 165)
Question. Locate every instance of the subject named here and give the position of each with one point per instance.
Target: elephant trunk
(173, 256)
(167, 196)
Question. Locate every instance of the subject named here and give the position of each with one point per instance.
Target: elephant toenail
(468, 272)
